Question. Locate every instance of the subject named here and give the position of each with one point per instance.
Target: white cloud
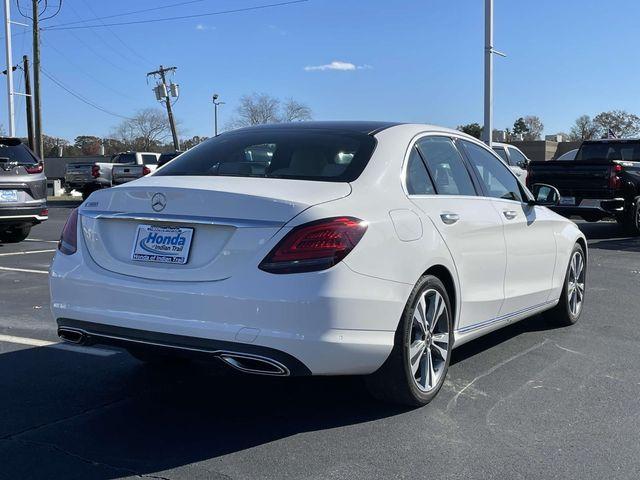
(337, 65)
(201, 27)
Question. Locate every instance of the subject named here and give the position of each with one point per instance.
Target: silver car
(23, 191)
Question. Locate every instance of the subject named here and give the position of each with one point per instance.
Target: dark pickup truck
(602, 182)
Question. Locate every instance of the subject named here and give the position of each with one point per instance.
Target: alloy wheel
(429, 345)
(575, 285)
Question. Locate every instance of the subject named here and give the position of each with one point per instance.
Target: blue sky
(412, 60)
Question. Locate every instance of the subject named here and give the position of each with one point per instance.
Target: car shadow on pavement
(537, 323)
(609, 236)
(122, 417)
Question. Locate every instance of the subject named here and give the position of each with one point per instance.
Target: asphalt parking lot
(530, 401)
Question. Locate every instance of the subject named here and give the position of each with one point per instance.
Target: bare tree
(534, 127)
(295, 111)
(147, 129)
(619, 122)
(261, 108)
(584, 129)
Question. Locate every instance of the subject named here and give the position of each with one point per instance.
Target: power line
(99, 53)
(116, 36)
(80, 97)
(182, 17)
(87, 74)
(133, 12)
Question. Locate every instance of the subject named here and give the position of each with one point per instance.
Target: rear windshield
(626, 151)
(124, 158)
(16, 153)
(275, 153)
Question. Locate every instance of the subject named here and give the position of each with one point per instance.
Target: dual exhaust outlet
(247, 363)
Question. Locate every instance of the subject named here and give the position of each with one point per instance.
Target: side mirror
(523, 164)
(545, 195)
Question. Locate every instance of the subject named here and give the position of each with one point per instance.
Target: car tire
(417, 366)
(571, 303)
(15, 234)
(633, 221)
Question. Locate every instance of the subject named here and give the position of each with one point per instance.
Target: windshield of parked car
(278, 153)
(11, 152)
(613, 150)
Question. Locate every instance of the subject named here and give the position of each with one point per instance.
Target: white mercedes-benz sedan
(337, 248)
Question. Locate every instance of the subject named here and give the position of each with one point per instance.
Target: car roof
(366, 127)
(612, 140)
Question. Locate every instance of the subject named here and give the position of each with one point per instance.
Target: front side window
(450, 176)
(517, 158)
(303, 154)
(496, 177)
(418, 181)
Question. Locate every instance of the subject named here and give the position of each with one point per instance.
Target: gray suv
(23, 191)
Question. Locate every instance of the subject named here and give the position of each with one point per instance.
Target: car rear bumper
(335, 322)
(33, 214)
(592, 208)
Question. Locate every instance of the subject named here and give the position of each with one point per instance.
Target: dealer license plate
(8, 195)
(159, 244)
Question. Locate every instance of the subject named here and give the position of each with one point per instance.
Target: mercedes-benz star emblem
(158, 202)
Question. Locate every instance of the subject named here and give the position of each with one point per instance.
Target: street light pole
(7, 32)
(216, 103)
(488, 73)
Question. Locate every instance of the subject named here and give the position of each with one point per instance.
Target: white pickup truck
(121, 168)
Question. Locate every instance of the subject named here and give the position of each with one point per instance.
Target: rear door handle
(510, 214)
(449, 218)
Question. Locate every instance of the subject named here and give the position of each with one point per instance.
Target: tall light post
(487, 131)
(216, 103)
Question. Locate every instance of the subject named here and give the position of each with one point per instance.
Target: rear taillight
(44, 212)
(68, 243)
(95, 171)
(615, 181)
(315, 246)
(37, 168)
(145, 171)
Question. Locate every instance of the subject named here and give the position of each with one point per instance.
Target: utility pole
(165, 94)
(7, 32)
(28, 100)
(36, 82)
(487, 131)
(216, 104)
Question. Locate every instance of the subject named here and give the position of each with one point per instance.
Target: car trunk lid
(229, 219)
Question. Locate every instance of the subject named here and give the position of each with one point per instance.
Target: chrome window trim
(189, 219)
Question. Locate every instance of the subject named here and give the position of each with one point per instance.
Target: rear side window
(12, 152)
(418, 181)
(450, 176)
(495, 175)
(278, 153)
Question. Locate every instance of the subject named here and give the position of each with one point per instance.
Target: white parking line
(26, 253)
(26, 270)
(33, 342)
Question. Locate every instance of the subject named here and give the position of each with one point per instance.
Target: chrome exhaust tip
(72, 336)
(254, 364)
